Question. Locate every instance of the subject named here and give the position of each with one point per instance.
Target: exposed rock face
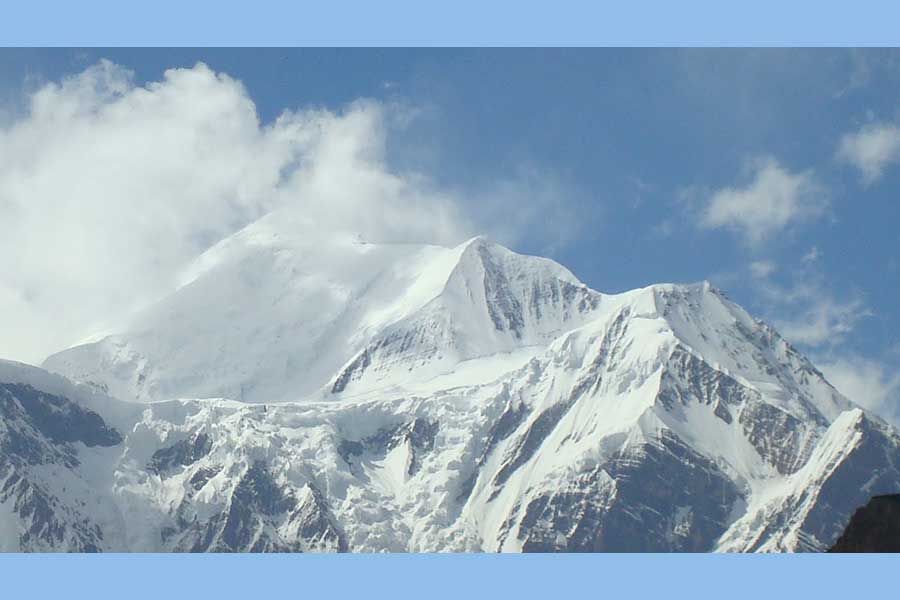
(59, 419)
(181, 453)
(264, 516)
(38, 436)
(683, 498)
(492, 301)
(874, 527)
(417, 436)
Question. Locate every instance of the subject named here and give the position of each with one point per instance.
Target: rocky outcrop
(874, 527)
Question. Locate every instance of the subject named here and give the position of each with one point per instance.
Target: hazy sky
(773, 173)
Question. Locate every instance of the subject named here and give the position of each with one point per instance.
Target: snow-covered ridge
(493, 302)
(421, 398)
(267, 317)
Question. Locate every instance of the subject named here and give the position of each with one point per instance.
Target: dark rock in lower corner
(874, 527)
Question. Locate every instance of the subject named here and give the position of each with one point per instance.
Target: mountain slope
(463, 399)
(269, 317)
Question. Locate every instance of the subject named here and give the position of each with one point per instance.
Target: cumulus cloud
(869, 383)
(344, 183)
(871, 150)
(772, 199)
(109, 189)
(106, 188)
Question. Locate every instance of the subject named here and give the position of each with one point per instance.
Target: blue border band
(461, 577)
(462, 22)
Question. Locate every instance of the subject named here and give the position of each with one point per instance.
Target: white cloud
(806, 313)
(824, 321)
(871, 149)
(344, 183)
(772, 199)
(760, 269)
(108, 190)
(867, 382)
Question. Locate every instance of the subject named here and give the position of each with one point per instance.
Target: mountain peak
(267, 316)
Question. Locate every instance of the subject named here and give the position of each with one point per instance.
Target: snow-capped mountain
(421, 398)
(266, 316)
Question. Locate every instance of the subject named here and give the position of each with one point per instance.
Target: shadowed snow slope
(421, 398)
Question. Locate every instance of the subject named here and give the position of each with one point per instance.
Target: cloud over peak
(868, 382)
(108, 189)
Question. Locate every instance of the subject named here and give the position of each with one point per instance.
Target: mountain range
(318, 392)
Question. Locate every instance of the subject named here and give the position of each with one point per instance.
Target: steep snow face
(662, 419)
(265, 316)
(493, 302)
(654, 428)
(262, 316)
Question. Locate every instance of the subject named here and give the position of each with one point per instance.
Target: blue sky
(773, 173)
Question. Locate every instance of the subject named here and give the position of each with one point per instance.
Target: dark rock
(503, 427)
(56, 417)
(199, 479)
(348, 449)
(419, 433)
(255, 497)
(780, 438)
(874, 527)
(661, 497)
(316, 525)
(47, 523)
(527, 445)
(181, 453)
(871, 466)
(353, 371)
(510, 420)
(263, 516)
(503, 306)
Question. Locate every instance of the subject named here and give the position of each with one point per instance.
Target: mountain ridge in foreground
(324, 394)
(874, 527)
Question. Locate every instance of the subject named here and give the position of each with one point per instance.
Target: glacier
(322, 393)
